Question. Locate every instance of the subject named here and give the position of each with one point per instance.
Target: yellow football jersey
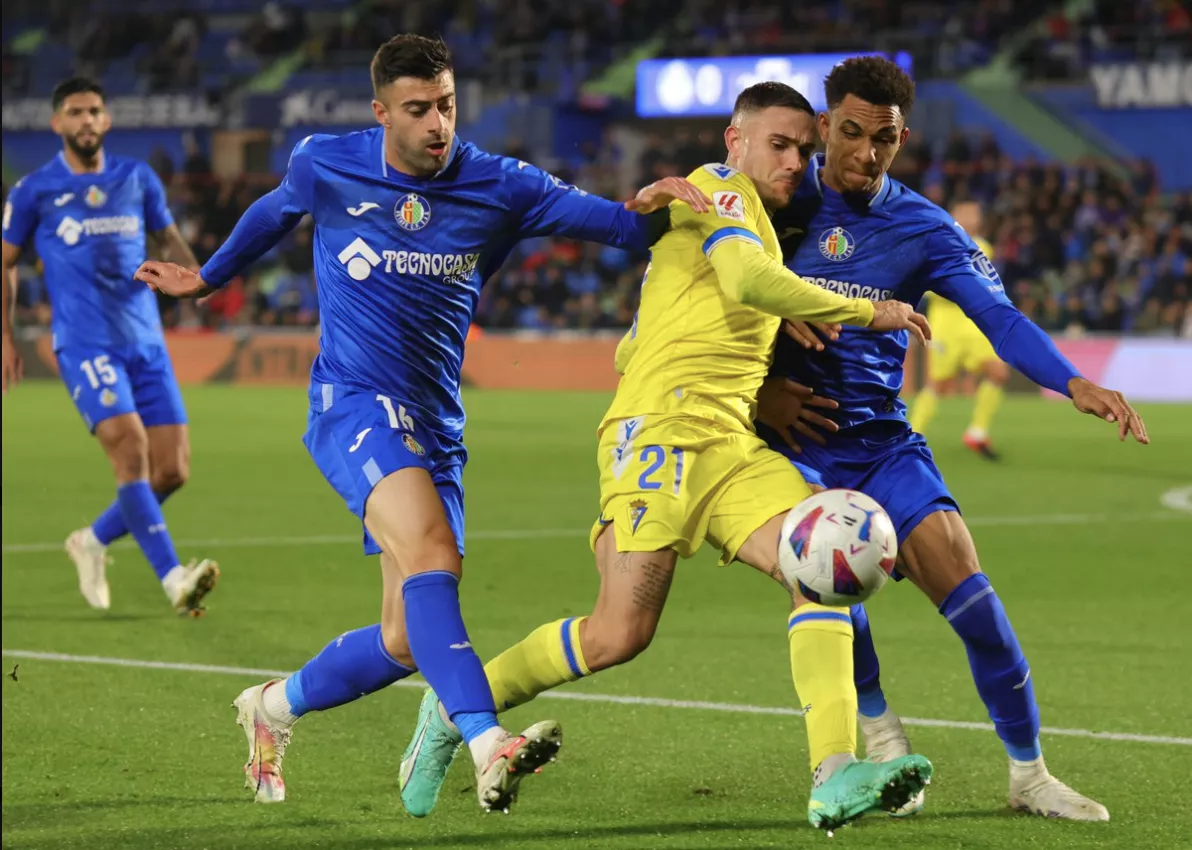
(694, 350)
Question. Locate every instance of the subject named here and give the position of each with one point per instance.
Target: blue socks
(871, 702)
(143, 517)
(999, 667)
(441, 649)
(110, 526)
(351, 666)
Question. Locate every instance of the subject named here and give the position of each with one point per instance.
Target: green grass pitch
(1072, 526)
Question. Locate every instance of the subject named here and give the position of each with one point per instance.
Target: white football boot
(513, 758)
(1033, 789)
(267, 742)
(885, 740)
(91, 560)
(186, 587)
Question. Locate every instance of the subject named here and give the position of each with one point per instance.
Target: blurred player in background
(680, 463)
(409, 223)
(87, 213)
(958, 344)
(866, 233)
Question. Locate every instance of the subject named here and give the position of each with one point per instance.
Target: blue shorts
(356, 438)
(107, 382)
(886, 461)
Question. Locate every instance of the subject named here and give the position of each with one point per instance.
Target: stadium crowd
(1080, 248)
(528, 44)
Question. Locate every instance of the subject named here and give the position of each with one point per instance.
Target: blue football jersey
(893, 246)
(400, 260)
(89, 230)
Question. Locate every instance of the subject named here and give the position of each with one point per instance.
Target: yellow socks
(989, 399)
(821, 643)
(547, 658)
(923, 409)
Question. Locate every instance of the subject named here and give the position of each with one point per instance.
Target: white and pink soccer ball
(838, 547)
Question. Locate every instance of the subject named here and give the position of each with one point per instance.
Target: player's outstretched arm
(173, 247)
(548, 206)
(262, 226)
(962, 274)
(13, 367)
(749, 276)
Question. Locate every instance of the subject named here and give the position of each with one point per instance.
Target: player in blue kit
(864, 234)
(87, 214)
(409, 223)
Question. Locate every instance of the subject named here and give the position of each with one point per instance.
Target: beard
(85, 151)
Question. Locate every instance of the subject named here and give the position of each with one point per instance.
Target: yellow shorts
(957, 344)
(672, 483)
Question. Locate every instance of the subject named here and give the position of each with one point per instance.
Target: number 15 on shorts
(662, 469)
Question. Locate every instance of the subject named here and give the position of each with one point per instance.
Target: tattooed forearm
(652, 586)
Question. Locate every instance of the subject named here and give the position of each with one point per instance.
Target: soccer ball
(837, 547)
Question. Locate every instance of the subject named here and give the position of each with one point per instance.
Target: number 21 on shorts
(658, 472)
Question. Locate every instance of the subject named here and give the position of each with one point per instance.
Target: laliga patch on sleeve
(729, 205)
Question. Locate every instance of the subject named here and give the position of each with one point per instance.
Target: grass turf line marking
(1179, 499)
(558, 533)
(578, 696)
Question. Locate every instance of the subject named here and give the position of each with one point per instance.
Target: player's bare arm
(811, 335)
(173, 280)
(662, 193)
(13, 367)
(173, 248)
(785, 405)
(1109, 405)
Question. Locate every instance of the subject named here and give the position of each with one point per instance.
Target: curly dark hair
(409, 55)
(873, 79)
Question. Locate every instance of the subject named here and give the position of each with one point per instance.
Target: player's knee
(437, 552)
(607, 643)
(127, 447)
(170, 477)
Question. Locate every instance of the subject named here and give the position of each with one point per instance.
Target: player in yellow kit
(680, 462)
(956, 344)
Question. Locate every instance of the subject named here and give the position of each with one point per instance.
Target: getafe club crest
(412, 212)
(95, 197)
(836, 244)
(412, 445)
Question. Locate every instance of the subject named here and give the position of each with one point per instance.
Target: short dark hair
(761, 96)
(74, 85)
(409, 55)
(873, 79)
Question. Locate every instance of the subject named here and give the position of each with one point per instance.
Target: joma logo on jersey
(852, 290)
(71, 230)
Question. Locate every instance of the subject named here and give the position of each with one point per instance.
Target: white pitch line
(1179, 499)
(556, 533)
(580, 696)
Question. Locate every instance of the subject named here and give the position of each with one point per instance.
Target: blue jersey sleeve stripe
(726, 233)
